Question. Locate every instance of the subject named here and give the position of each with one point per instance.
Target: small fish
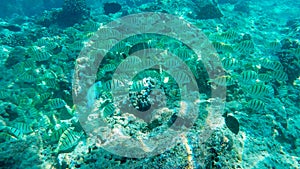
(56, 134)
(230, 35)
(45, 122)
(270, 90)
(146, 64)
(256, 104)
(91, 26)
(222, 47)
(264, 77)
(229, 63)
(258, 90)
(137, 86)
(224, 80)
(68, 140)
(109, 68)
(181, 77)
(273, 65)
(279, 75)
(248, 76)
(15, 132)
(183, 54)
(274, 45)
(232, 123)
(133, 60)
(56, 103)
(29, 63)
(246, 46)
(108, 110)
(27, 77)
(172, 63)
(50, 83)
(24, 128)
(38, 54)
(112, 85)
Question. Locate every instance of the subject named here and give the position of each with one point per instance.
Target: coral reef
(73, 11)
(111, 8)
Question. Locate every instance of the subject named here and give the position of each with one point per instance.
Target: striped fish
(38, 54)
(181, 77)
(34, 113)
(133, 60)
(15, 132)
(108, 110)
(45, 122)
(146, 64)
(274, 45)
(114, 84)
(27, 77)
(258, 90)
(246, 46)
(56, 103)
(91, 26)
(68, 140)
(229, 63)
(256, 104)
(172, 63)
(264, 77)
(273, 65)
(77, 45)
(48, 43)
(18, 68)
(29, 63)
(270, 90)
(224, 80)
(283, 91)
(109, 68)
(24, 128)
(279, 75)
(248, 76)
(137, 86)
(44, 96)
(222, 47)
(56, 134)
(153, 74)
(183, 54)
(215, 37)
(229, 35)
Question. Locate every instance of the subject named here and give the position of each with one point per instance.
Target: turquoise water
(150, 84)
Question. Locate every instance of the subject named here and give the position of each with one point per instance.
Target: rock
(242, 6)
(209, 11)
(111, 8)
(227, 1)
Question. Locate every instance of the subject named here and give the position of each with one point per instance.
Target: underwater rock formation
(206, 10)
(73, 11)
(227, 1)
(209, 12)
(242, 6)
(111, 8)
